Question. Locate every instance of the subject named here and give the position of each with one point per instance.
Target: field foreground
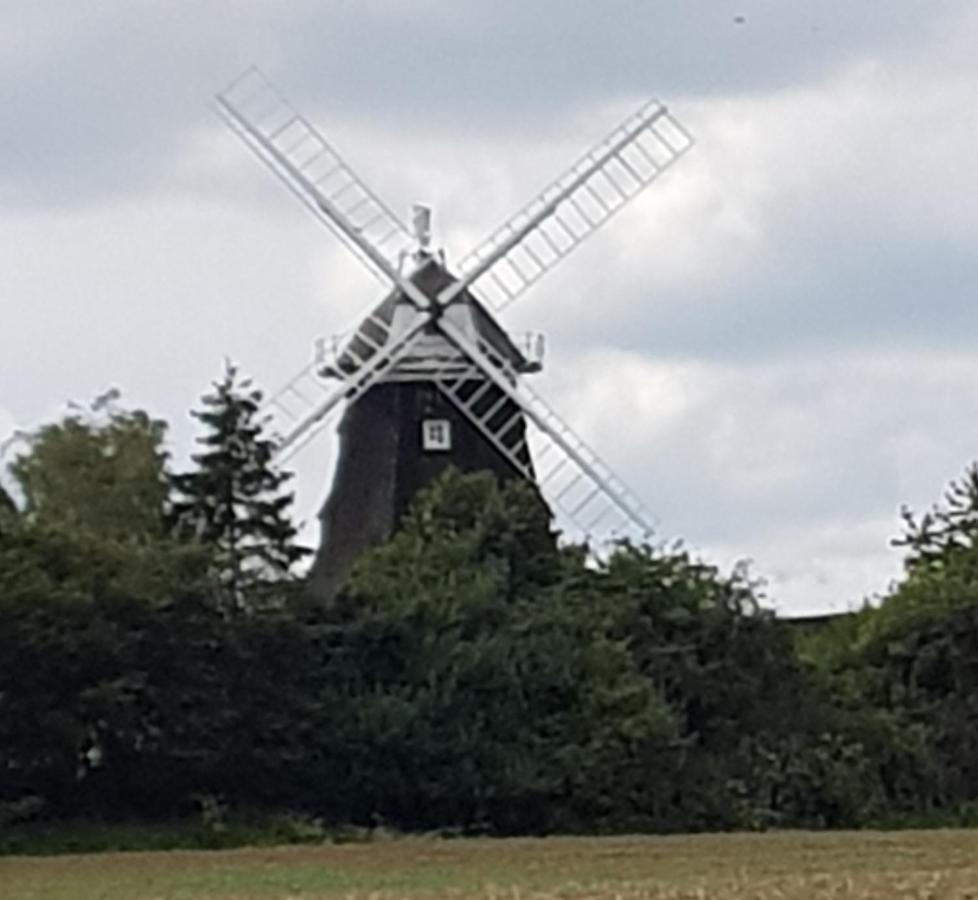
(865, 865)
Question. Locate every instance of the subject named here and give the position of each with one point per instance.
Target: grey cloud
(511, 57)
(100, 98)
(834, 295)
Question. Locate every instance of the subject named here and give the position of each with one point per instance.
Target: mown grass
(932, 865)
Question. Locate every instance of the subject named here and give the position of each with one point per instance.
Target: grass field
(934, 865)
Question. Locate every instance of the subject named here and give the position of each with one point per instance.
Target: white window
(436, 434)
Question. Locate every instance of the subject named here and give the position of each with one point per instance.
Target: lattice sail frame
(302, 158)
(587, 498)
(585, 197)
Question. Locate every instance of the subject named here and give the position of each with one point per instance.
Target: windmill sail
(592, 502)
(298, 410)
(574, 206)
(312, 169)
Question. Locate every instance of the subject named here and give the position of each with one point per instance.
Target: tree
(919, 651)
(86, 570)
(8, 511)
(944, 530)
(94, 513)
(909, 665)
(233, 501)
(107, 480)
(472, 691)
(7, 504)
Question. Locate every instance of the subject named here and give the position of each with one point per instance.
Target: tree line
(159, 654)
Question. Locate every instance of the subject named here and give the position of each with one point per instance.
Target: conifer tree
(234, 501)
(946, 529)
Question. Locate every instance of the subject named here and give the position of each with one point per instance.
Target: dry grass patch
(932, 865)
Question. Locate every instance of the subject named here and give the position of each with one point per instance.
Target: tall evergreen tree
(233, 501)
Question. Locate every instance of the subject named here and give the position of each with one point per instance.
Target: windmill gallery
(429, 378)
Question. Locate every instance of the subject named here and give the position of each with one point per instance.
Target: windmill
(429, 378)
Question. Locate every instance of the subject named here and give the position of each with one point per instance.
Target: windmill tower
(429, 378)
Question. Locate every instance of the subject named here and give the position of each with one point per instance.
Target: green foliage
(8, 509)
(946, 531)
(765, 744)
(472, 676)
(233, 502)
(189, 833)
(917, 658)
(106, 480)
(94, 514)
(912, 665)
(483, 696)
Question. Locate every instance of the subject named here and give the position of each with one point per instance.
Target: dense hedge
(474, 677)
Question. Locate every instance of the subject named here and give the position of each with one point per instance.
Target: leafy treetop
(107, 480)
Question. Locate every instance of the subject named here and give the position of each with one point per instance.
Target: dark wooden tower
(404, 431)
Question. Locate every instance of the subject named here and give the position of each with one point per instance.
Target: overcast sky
(786, 323)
